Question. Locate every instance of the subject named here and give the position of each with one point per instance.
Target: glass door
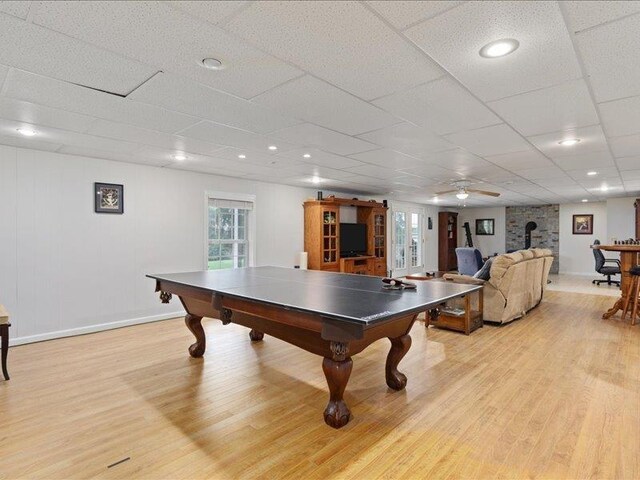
(408, 241)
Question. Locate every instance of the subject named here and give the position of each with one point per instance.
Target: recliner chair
(604, 270)
(469, 260)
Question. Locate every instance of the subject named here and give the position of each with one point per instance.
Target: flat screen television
(353, 239)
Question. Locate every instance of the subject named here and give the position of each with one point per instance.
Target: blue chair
(469, 260)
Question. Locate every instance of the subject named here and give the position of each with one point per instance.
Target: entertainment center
(358, 247)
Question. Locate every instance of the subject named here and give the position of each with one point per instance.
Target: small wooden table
(466, 323)
(628, 258)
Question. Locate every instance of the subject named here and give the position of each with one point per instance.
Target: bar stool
(632, 299)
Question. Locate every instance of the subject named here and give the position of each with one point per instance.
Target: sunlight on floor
(581, 284)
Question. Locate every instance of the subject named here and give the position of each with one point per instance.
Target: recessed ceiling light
(212, 64)
(499, 48)
(272, 147)
(315, 179)
(27, 132)
(307, 155)
(179, 157)
(604, 188)
(592, 173)
(436, 199)
(584, 200)
(242, 155)
(569, 142)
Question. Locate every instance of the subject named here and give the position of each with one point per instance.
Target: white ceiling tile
(433, 172)
(590, 160)
(489, 140)
(628, 163)
(168, 39)
(401, 14)
(12, 109)
(627, 146)
(563, 106)
(193, 162)
(543, 173)
(388, 158)
(22, 142)
(409, 139)
(233, 137)
(582, 15)
(323, 159)
(328, 140)
(455, 38)
(457, 159)
(376, 171)
(328, 38)
(592, 139)
(65, 96)
(317, 170)
(66, 137)
(211, 11)
(318, 102)
(621, 117)
(87, 151)
(441, 106)
(18, 9)
(263, 158)
(516, 160)
(581, 175)
(119, 131)
(611, 55)
(180, 95)
(4, 70)
(36, 49)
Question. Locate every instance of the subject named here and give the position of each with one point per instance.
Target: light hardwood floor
(554, 395)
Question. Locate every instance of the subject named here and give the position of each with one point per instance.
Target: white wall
(576, 256)
(620, 219)
(487, 244)
(65, 269)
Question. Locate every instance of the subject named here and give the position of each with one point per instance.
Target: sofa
(516, 284)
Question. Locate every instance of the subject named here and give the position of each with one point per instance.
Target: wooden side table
(467, 322)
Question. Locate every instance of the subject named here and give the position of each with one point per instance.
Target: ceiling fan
(462, 190)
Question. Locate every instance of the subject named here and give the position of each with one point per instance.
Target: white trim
(241, 197)
(100, 327)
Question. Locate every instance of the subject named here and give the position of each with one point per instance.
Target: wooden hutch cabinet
(447, 241)
(322, 236)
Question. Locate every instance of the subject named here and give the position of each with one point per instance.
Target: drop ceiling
(386, 98)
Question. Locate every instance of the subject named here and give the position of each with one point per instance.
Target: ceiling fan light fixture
(462, 195)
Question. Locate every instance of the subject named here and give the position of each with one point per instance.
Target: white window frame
(240, 197)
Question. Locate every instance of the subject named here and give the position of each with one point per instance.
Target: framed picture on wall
(109, 198)
(583, 224)
(485, 226)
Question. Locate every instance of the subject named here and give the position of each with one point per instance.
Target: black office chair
(602, 269)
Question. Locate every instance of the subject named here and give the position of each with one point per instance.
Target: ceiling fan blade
(448, 191)
(483, 192)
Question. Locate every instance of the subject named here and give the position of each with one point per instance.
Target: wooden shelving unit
(322, 236)
(447, 241)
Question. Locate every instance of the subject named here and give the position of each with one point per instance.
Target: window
(229, 233)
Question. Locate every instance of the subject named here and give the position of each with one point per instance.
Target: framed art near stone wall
(583, 224)
(109, 198)
(485, 226)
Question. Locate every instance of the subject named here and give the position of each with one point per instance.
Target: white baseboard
(100, 327)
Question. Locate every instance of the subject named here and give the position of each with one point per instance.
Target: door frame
(408, 209)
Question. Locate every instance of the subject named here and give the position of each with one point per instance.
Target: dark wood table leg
(194, 324)
(255, 335)
(4, 332)
(626, 262)
(399, 348)
(337, 371)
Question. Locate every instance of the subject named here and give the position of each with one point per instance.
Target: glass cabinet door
(329, 236)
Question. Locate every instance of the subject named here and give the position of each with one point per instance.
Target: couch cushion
(485, 272)
(501, 264)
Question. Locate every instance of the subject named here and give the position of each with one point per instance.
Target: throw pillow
(485, 271)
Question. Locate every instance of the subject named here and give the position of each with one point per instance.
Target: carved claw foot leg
(195, 326)
(612, 311)
(399, 348)
(337, 413)
(255, 335)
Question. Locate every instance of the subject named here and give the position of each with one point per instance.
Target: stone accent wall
(547, 235)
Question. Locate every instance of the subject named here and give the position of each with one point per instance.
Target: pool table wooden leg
(337, 371)
(194, 324)
(399, 348)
